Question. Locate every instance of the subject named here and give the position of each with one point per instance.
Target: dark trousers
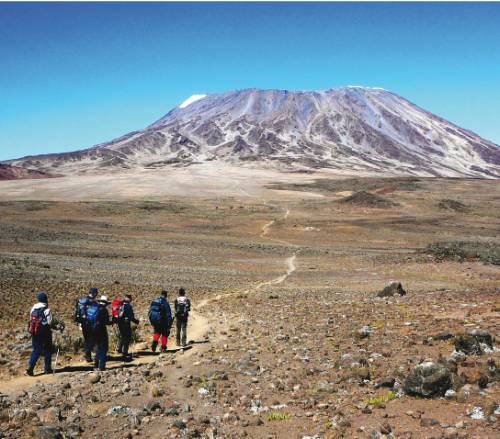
(125, 337)
(181, 334)
(88, 340)
(42, 345)
(102, 346)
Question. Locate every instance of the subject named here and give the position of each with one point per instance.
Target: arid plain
(283, 272)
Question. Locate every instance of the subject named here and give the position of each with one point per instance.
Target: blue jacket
(166, 307)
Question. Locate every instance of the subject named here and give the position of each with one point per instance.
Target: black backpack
(182, 309)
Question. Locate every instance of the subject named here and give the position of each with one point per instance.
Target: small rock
(385, 428)
(50, 432)
(94, 378)
(386, 382)
(428, 422)
(180, 424)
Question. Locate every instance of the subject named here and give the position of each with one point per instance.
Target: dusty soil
(282, 286)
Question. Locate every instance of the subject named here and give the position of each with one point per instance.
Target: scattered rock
(428, 422)
(391, 289)
(180, 424)
(428, 379)
(51, 415)
(50, 432)
(386, 382)
(475, 342)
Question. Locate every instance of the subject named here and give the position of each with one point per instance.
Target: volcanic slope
(353, 129)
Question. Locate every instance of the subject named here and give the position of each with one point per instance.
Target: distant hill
(8, 172)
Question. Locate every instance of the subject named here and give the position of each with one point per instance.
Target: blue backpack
(92, 314)
(156, 311)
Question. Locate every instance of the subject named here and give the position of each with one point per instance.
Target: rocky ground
(293, 340)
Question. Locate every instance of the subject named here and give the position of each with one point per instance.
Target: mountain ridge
(350, 128)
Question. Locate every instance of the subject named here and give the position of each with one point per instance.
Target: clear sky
(76, 74)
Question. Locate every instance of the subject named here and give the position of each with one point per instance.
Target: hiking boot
(88, 359)
(29, 372)
(163, 349)
(154, 345)
(48, 371)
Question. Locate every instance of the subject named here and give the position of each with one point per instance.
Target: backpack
(117, 309)
(81, 309)
(182, 308)
(92, 314)
(37, 321)
(156, 311)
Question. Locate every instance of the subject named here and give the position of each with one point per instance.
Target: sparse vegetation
(460, 251)
(381, 399)
(278, 416)
(367, 199)
(454, 205)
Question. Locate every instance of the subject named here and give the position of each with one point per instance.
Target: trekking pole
(60, 327)
(55, 363)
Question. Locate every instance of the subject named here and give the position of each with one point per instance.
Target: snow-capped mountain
(350, 128)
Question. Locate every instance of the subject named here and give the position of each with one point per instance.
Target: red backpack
(37, 318)
(117, 309)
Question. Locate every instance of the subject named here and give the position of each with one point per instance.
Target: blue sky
(76, 74)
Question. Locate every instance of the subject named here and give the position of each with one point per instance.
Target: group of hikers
(93, 318)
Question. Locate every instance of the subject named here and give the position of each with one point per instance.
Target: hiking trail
(289, 262)
(199, 327)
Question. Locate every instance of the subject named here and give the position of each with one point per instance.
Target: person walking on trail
(123, 315)
(84, 306)
(40, 327)
(160, 316)
(182, 307)
(100, 333)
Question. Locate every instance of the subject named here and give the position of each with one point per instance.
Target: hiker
(182, 307)
(83, 306)
(123, 316)
(40, 327)
(100, 333)
(160, 317)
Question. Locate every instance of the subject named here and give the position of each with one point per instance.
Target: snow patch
(191, 99)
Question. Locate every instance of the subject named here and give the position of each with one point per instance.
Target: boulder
(391, 289)
(428, 379)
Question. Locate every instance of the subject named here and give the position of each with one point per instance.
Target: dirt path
(199, 327)
(289, 262)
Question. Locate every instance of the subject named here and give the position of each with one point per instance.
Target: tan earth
(283, 278)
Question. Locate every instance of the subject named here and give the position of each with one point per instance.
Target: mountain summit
(350, 129)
